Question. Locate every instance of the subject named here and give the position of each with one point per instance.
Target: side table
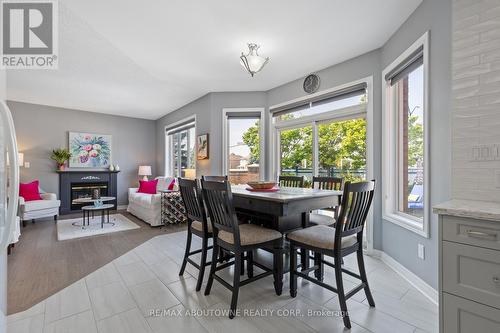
(172, 207)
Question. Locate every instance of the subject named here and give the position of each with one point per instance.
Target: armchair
(35, 209)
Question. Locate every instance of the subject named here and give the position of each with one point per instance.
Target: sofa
(147, 207)
(36, 209)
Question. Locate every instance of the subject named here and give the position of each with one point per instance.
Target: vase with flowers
(60, 156)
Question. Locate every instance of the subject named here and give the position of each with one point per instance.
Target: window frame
(370, 173)
(390, 160)
(169, 161)
(225, 138)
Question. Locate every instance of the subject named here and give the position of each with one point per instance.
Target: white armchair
(147, 207)
(35, 209)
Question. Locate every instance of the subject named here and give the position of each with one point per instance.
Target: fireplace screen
(85, 190)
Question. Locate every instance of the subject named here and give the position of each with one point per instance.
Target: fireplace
(81, 184)
(86, 190)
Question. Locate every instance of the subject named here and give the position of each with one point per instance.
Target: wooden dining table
(284, 210)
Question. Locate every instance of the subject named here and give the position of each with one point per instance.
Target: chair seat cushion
(320, 236)
(40, 204)
(321, 219)
(251, 234)
(199, 226)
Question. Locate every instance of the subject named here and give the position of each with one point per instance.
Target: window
(243, 130)
(180, 154)
(405, 161)
(326, 137)
(296, 152)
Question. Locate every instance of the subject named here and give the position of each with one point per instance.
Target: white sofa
(147, 207)
(36, 209)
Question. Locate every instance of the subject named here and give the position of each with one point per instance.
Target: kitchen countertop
(483, 210)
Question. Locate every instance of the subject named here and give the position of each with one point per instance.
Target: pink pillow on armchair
(147, 186)
(29, 191)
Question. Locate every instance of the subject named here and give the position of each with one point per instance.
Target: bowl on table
(262, 185)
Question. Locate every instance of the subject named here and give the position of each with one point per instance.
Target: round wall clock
(311, 83)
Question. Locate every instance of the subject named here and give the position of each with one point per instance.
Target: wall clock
(311, 83)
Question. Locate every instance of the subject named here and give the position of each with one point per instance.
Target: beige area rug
(72, 228)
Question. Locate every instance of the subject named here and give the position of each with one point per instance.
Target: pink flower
(93, 153)
(87, 137)
(87, 147)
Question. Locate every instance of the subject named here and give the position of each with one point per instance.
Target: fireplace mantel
(69, 177)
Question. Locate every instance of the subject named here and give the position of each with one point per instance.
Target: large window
(405, 157)
(243, 130)
(296, 152)
(325, 136)
(180, 152)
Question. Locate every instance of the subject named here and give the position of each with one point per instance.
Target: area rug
(66, 229)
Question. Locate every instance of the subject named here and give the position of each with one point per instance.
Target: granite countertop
(483, 210)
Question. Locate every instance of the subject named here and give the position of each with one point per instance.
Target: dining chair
(223, 256)
(238, 239)
(326, 183)
(215, 178)
(197, 224)
(291, 181)
(346, 238)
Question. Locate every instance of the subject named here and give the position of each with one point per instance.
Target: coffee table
(90, 200)
(104, 209)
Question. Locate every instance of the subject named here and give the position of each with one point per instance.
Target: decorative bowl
(261, 185)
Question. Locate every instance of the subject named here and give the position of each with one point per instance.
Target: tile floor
(142, 292)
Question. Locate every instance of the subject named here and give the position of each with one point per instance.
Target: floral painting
(89, 150)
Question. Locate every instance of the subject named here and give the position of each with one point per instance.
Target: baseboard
(408, 275)
(121, 207)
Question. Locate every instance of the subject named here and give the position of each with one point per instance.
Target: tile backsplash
(476, 99)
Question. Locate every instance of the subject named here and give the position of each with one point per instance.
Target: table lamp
(145, 171)
(190, 173)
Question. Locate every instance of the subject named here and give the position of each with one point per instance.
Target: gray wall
(201, 108)
(40, 129)
(435, 16)
(399, 243)
(208, 112)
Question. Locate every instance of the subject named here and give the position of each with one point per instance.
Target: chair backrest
(193, 201)
(219, 201)
(356, 202)
(291, 181)
(328, 183)
(215, 178)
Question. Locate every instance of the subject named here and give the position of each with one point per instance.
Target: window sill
(407, 223)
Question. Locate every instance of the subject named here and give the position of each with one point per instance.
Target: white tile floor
(121, 296)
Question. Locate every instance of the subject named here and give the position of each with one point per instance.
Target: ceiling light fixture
(252, 61)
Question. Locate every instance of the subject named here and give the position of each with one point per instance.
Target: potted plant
(60, 155)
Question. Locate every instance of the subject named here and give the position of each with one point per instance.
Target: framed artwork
(202, 147)
(89, 150)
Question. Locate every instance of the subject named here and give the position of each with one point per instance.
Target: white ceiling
(147, 58)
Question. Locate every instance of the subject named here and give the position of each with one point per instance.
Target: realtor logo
(29, 34)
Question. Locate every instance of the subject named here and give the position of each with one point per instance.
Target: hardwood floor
(40, 265)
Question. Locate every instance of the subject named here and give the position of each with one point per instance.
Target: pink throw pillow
(171, 186)
(147, 186)
(29, 191)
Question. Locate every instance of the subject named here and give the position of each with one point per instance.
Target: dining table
(285, 209)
